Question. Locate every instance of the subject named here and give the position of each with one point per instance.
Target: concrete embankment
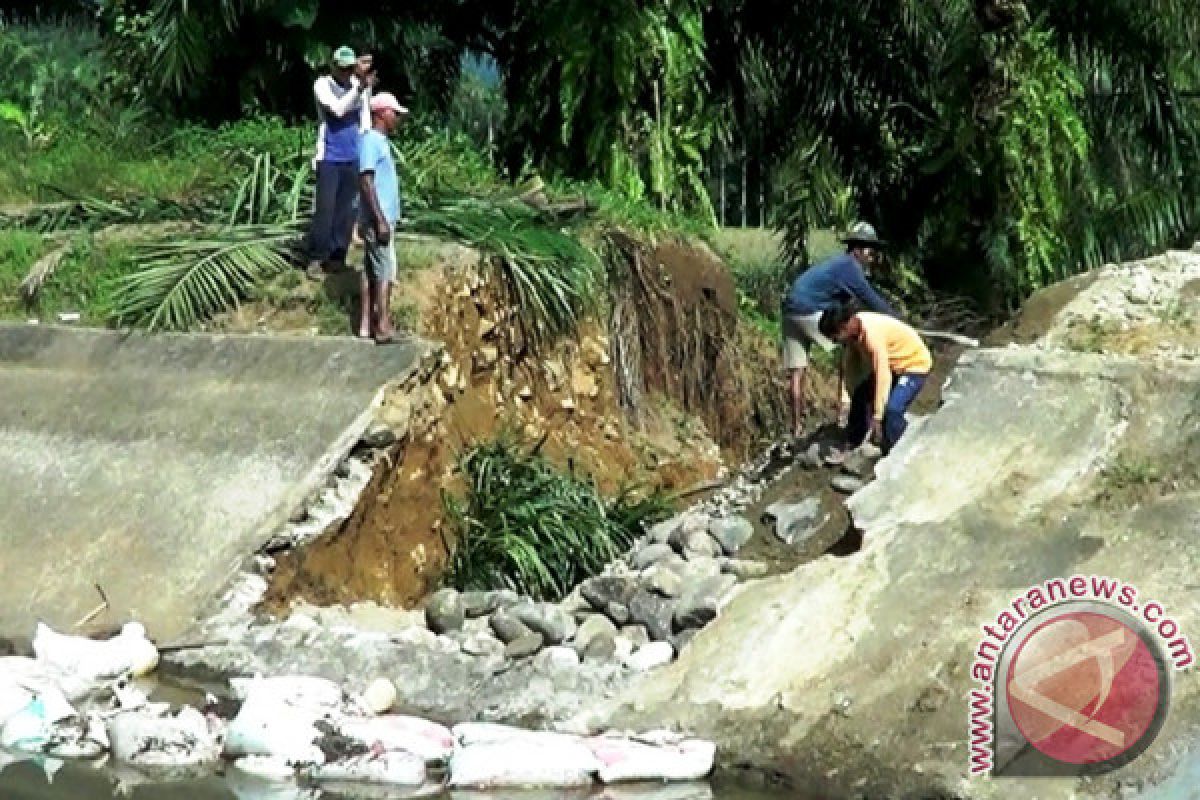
(151, 465)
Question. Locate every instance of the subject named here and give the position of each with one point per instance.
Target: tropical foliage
(1001, 144)
(525, 525)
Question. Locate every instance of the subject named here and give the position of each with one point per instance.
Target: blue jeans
(905, 388)
(335, 211)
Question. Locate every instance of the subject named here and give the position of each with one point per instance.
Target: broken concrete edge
(239, 575)
(1053, 364)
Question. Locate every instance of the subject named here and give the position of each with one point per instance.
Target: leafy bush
(527, 526)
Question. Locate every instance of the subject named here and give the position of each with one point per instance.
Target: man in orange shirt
(899, 364)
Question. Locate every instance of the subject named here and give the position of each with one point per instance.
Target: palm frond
(551, 276)
(185, 282)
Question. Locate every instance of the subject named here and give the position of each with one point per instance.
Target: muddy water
(28, 781)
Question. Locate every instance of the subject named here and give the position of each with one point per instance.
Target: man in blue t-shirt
(830, 284)
(342, 98)
(377, 222)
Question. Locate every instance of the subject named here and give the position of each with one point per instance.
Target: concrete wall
(151, 465)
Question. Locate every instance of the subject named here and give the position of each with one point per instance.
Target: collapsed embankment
(658, 388)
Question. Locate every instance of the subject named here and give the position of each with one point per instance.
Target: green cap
(344, 57)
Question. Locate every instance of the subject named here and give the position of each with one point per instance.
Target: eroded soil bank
(661, 389)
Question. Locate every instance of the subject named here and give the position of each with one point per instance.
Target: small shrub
(528, 526)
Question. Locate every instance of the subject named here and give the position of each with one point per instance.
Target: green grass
(18, 251)
(525, 525)
(1128, 473)
(82, 281)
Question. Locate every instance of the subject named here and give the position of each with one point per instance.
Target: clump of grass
(527, 526)
(18, 250)
(1129, 473)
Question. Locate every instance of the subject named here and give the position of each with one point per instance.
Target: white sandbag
(300, 691)
(248, 786)
(393, 768)
(34, 676)
(130, 651)
(31, 728)
(469, 733)
(624, 759)
(13, 698)
(657, 791)
(430, 741)
(269, 727)
(260, 771)
(549, 760)
(183, 740)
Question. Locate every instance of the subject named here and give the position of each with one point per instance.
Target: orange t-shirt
(890, 347)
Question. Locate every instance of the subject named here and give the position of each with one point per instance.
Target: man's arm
(857, 283)
(883, 372)
(366, 184)
(337, 106)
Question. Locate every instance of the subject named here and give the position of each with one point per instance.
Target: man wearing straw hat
(830, 284)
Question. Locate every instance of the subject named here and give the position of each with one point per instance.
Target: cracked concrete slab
(150, 465)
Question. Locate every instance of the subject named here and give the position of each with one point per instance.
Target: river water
(28, 780)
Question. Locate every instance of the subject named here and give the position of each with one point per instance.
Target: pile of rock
(641, 612)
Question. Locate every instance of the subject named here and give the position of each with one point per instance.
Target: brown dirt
(676, 327)
(392, 550)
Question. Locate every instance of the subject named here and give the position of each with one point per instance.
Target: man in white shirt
(343, 111)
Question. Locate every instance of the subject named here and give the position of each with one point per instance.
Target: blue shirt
(831, 283)
(375, 155)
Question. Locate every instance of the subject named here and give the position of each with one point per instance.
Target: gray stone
(602, 648)
(605, 589)
(810, 459)
(698, 606)
(700, 545)
(683, 638)
(525, 646)
(650, 555)
(507, 627)
(637, 634)
(662, 532)
(554, 624)
(859, 465)
(378, 435)
(795, 523)
(846, 484)
(481, 644)
(662, 581)
(651, 656)
(732, 533)
(575, 603)
(593, 626)
(557, 657)
(476, 604)
(655, 612)
(617, 612)
(444, 611)
(689, 525)
(743, 570)
(699, 569)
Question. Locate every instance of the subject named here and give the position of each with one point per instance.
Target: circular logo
(1086, 688)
